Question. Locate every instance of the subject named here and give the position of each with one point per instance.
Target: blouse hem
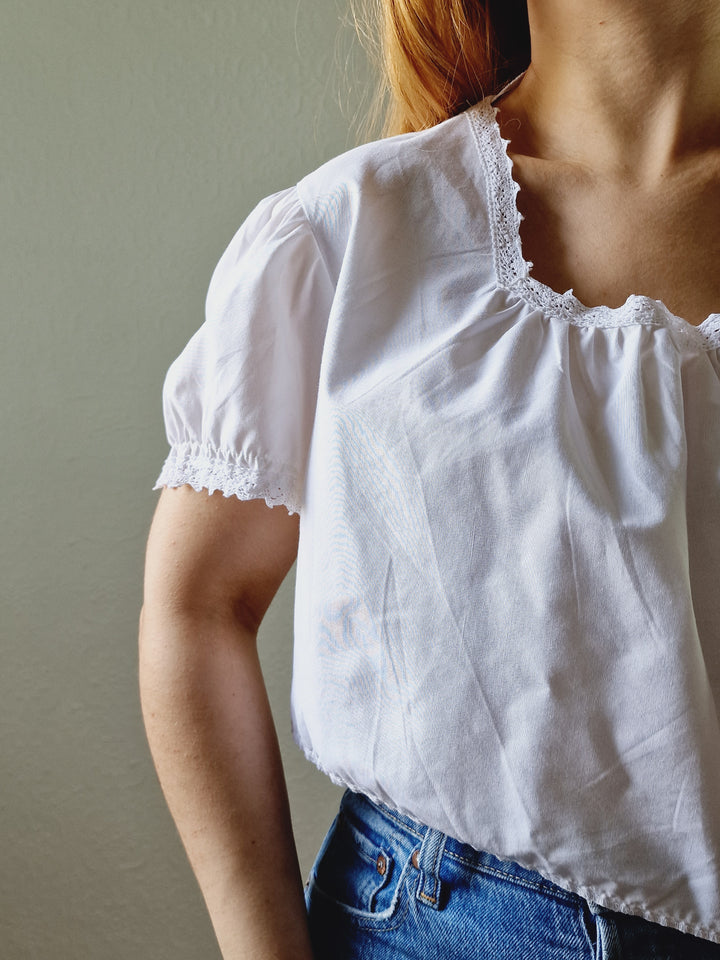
(203, 467)
(587, 893)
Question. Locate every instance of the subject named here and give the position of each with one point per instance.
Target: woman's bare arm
(213, 566)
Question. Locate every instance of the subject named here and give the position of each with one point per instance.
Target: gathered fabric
(507, 614)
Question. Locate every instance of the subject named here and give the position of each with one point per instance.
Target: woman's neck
(628, 86)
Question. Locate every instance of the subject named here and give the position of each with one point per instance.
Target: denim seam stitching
(435, 879)
(361, 918)
(570, 898)
(401, 823)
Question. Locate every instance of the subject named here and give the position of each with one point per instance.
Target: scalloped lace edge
(587, 893)
(513, 271)
(205, 468)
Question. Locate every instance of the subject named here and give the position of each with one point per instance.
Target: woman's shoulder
(409, 179)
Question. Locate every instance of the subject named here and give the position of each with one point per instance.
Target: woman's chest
(606, 241)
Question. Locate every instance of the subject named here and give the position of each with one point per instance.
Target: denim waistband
(433, 845)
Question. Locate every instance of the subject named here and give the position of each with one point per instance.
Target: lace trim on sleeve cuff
(205, 468)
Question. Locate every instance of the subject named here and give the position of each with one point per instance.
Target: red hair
(438, 57)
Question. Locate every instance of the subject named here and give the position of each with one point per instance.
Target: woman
(507, 614)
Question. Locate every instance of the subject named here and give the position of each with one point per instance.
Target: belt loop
(597, 910)
(428, 860)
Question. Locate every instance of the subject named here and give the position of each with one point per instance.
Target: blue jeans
(384, 887)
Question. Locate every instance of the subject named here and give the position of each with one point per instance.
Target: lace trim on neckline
(203, 467)
(513, 271)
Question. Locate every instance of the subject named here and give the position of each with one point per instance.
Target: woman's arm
(213, 566)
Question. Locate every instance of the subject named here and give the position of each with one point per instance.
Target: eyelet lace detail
(205, 468)
(710, 331)
(513, 271)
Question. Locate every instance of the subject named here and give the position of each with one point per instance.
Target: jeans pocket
(360, 874)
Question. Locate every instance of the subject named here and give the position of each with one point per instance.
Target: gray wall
(136, 136)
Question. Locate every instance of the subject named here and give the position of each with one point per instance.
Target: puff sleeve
(239, 402)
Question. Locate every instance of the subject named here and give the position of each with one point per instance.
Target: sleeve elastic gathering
(239, 401)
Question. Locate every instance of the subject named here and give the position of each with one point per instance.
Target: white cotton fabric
(508, 584)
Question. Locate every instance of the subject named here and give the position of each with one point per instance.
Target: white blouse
(507, 619)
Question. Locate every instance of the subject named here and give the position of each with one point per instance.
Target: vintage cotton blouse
(507, 619)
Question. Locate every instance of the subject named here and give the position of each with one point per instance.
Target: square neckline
(514, 271)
